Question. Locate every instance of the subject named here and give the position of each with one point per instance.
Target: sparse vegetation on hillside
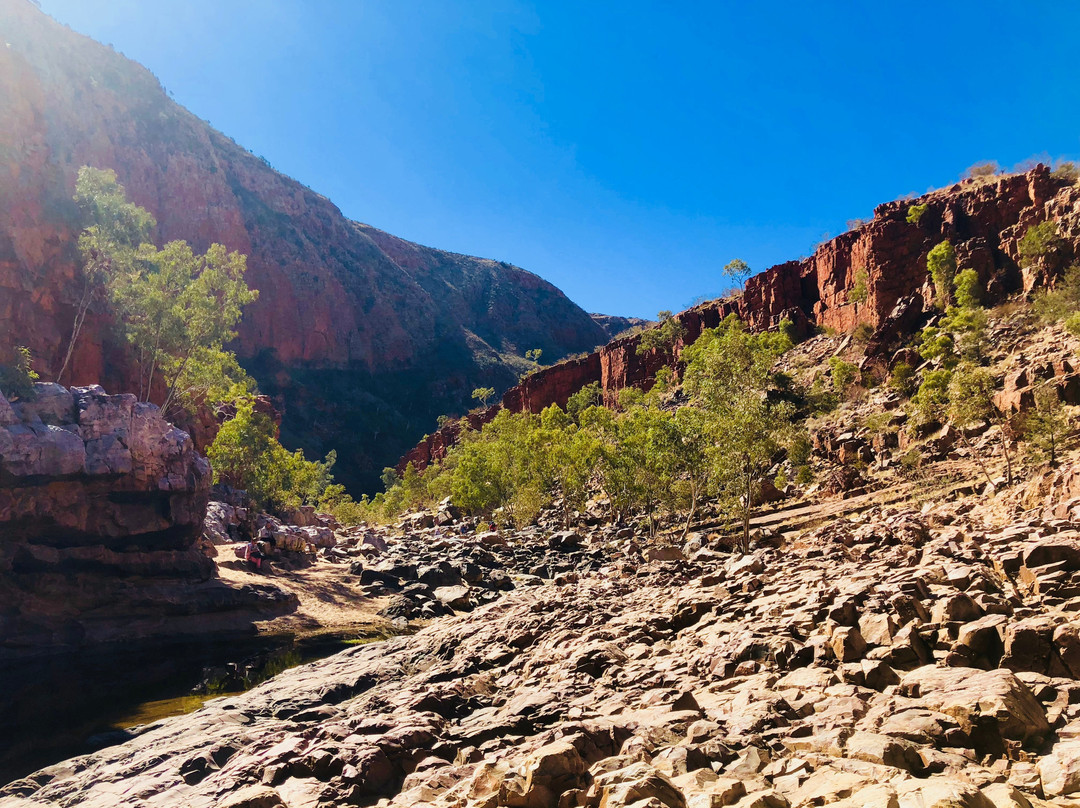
(645, 457)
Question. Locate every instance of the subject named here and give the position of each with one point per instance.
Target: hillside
(362, 338)
(886, 257)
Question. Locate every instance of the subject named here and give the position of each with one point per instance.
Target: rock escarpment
(897, 658)
(101, 507)
(362, 338)
(885, 259)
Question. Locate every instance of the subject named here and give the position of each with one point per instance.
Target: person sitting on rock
(254, 554)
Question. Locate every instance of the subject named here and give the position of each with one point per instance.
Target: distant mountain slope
(362, 337)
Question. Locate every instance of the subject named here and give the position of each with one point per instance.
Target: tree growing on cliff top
(738, 271)
(113, 230)
(483, 395)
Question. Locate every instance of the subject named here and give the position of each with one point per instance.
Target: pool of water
(62, 706)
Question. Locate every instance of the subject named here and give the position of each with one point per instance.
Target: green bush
(843, 374)
(1038, 243)
(862, 333)
(902, 379)
(858, 293)
(941, 263)
(247, 454)
(1061, 302)
(17, 376)
(915, 213)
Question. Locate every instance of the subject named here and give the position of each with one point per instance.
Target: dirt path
(331, 601)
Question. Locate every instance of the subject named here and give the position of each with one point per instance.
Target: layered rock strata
(101, 507)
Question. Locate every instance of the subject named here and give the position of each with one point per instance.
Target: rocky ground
(899, 657)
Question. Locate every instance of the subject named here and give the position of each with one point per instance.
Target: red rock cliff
(983, 219)
(362, 338)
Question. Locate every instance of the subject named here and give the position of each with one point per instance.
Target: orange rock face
(361, 338)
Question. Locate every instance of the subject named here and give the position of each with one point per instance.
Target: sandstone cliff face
(983, 219)
(361, 337)
(101, 505)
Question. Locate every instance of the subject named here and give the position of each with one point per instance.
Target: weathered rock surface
(714, 681)
(101, 506)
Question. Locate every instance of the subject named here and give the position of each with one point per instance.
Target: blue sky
(623, 150)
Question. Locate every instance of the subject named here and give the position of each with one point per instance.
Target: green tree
(843, 374)
(737, 271)
(938, 343)
(1047, 424)
(663, 337)
(1039, 244)
(971, 399)
(969, 290)
(729, 374)
(178, 307)
(534, 355)
(932, 397)
(902, 379)
(246, 454)
(483, 395)
(588, 396)
(967, 327)
(113, 230)
(941, 263)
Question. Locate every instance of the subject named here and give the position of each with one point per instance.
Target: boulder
(1060, 770)
(973, 697)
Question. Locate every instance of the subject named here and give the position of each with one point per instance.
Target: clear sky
(624, 150)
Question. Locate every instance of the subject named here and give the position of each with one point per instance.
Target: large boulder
(975, 697)
(95, 490)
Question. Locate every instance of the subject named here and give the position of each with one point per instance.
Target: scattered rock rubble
(901, 658)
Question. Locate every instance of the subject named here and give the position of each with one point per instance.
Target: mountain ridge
(361, 337)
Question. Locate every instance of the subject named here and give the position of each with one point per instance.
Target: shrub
(246, 454)
(17, 377)
(968, 289)
(941, 263)
(1066, 171)
(915, 213)
(902, 379)
(858, 291)
(862, 333)
(1061, 302)
(1039, 243)
(804, 476)
(987, 168)
(843, 374)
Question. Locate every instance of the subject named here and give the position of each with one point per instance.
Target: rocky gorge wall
(361, 338)
(101, 508)
(984, 220)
